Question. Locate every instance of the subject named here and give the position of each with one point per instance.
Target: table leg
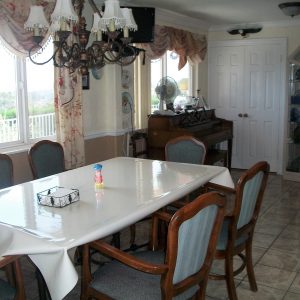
(42, 286)
(116, 241)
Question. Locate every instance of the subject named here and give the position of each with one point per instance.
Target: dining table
(133, 188)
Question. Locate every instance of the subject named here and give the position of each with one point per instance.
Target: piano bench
(215, 155)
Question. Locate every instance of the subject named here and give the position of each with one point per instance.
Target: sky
(39, 77)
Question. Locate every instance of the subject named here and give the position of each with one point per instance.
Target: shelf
(292, 155)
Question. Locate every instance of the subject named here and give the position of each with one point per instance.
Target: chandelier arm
(127, 59)
(59, 59)
(35, 62)
(113, 51)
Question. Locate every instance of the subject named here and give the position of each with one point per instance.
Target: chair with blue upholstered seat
(46, 158)
(6, 171)
(239, 223)
(185, 149)
(179, 273)
(12, 291)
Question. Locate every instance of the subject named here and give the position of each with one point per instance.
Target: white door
(225, 87)
(261, 105)
(245, 86)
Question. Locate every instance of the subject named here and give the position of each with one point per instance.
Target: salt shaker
(98, 177)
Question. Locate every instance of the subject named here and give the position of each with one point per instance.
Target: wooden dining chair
(180, 272)
(6, 171)
(185, 149)
(46, 158)
(12, 290)
(239, 223)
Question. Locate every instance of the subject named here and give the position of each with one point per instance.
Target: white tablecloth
(133, 189)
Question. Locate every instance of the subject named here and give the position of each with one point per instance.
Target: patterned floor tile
(263, 240)
(217, 289)
(291, 296)
(291, 232)
(295, 287)
(290, 245)
(263, 293)
(282, 260)
(274, 277)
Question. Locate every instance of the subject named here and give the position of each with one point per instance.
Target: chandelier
(70, 37)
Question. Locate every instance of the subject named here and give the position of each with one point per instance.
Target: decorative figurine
(98, 177)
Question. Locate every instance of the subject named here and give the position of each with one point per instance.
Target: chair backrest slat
(249, 194)
(46, 158)
(193, 239)
(185, 149)
(249, 199)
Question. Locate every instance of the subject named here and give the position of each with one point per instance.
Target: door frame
(283, 80)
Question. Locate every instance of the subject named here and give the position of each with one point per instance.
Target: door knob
(245, 116)
(240, 115)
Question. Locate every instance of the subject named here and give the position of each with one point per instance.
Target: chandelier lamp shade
(70, 36)
(290, 9)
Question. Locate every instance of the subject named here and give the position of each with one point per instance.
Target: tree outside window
(26, 98)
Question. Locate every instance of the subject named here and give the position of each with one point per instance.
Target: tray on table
(58, 196)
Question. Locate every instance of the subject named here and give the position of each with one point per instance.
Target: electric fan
(166, 91)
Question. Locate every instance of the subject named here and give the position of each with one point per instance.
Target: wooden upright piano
(202, 124)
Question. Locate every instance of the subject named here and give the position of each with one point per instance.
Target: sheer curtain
(68, 94)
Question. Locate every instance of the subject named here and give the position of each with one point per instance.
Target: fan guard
(167, 91)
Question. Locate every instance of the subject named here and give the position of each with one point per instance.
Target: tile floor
(276, 250)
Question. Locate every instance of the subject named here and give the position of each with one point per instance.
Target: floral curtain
(68, 115)
(189, 46)
(68, 95)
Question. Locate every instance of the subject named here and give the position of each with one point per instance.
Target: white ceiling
(216, 13)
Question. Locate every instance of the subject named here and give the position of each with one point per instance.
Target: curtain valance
(189, 46)
(13, 15)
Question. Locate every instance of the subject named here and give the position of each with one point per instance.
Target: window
(168, 66)
(26, 98)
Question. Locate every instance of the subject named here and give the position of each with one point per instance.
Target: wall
(104, 122)
(96, 150)
(291, 32)
(269, 31)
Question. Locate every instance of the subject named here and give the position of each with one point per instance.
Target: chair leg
(230, 278)
(202, 291)
(19, 282)
(44, 293)
(9, 271)
(249, 264)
